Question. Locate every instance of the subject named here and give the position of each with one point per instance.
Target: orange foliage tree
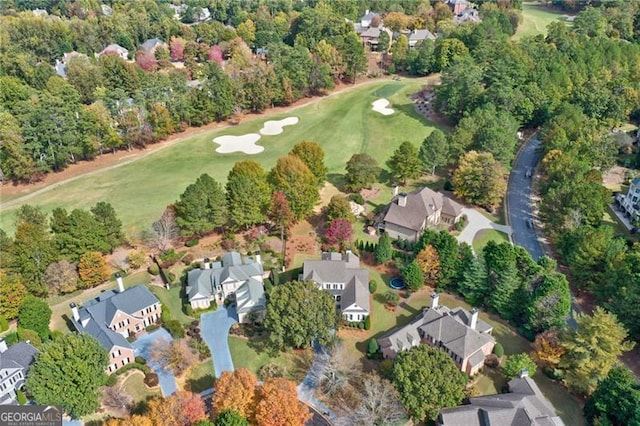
(278, 404)
(183, 408)
(429, 261)
(236, 391)
(547, 350)
(130, 421)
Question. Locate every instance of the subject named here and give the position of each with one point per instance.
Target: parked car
(529, 172)
(530, 223)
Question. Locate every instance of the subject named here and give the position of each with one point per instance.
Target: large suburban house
(524, 405)
(341, 275)
(115, 49)
(115, 315)
(458, 6)
(630, 203)
(151, 45)
(459, 332)
(14, 366)
(409, 214)
(418, 36)
(232, 277)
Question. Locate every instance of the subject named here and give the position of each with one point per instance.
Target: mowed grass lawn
(383, 320)
(535, 18)
(343, 124)
(483, 236)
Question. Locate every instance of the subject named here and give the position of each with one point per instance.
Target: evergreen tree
(474, 284)
(616, 400)
(202, 207)
(383, 250)
(502, 294)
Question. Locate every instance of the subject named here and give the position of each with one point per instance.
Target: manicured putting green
(342, 124)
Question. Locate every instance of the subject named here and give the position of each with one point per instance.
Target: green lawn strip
(134, 386)
(171, 299)
(567, 406)
(201, 376)
(483, 236)
(342, 124)
(60, 310)
(252, 354)
(535, 19)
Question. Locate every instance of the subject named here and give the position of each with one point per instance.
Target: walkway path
(307, 388)
(142, 347)
(214, 328)
(478, 222)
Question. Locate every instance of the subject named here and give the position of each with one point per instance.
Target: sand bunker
(381, 106)
(245, 143)
(275, 127)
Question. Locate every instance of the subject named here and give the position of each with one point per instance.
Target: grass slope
(485, 235)
(342, 124)
(536, 17)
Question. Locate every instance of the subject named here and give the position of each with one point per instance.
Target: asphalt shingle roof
(524, 406)
(341, 268)
(18, 355)
(97, 314)
(250, 297)
(420, 204)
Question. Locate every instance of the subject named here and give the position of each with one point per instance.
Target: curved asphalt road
(519, 206)
(519, 198)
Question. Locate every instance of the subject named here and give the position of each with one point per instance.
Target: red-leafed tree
(278, 404)
(339, 232)
(183, 408)
(280, 212)
(176, 47)
(215, 55)
(147, 61)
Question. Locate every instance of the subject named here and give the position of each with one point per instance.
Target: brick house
(115, 315)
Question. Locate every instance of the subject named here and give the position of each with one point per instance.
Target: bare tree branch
(163, 231)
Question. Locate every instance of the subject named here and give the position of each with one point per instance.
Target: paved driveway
(142, 347)
(478, 222)
(306, 389)
(214, 328)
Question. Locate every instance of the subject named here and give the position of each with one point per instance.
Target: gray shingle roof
(151, 44)
(524, 406)
(449, 326)
(420, 204)
(419, 35)
(451, 207)
(204, 283)
(250, 297)
(18, 355)
(97, 314)
(341, 268)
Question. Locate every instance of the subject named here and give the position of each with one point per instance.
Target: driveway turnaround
(214, 328)
(478, 222)
(142, 347)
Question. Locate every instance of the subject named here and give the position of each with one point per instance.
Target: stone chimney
(524, 373)
(435, 298)
(258, 258)
(207, 263)
(120, 283)
(74, 311)
(473, 320)
(3, 346)
(402, 200)
(395, 190)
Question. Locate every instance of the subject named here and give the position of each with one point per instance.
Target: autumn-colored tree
(176, 47)
(183, 408)
(92, 269)
(278, 404)
(312, 155)
(146, 60)
(215, 55)
(298, 183)
(136, 420)
(175, 355)
(339, 232)
(12, 293)
(480, 179)
(429, 261)
(547, 350)
(396, 21)
(280, 213)
(236, 391)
